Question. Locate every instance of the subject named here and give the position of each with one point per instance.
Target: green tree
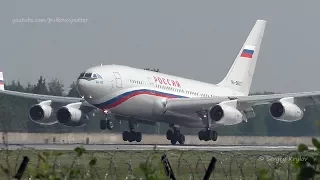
(55, 87)
(40, 87)
(15, 86)
(29, 88)
(73, 91)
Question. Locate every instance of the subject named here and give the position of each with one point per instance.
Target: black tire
(132, 136)
(207, 135)
(182, 139)
(173, 142)
(201, 135)
(109, 124)
(125, 135)
(169, 134)
(214, 135)
(138, 136)
(177, 133)
(103, 124)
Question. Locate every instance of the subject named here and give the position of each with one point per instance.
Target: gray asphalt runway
(135, 147)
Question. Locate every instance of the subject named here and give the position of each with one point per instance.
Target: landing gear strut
(207, 134)
(106, 124)
(175, 136)
(131, 135)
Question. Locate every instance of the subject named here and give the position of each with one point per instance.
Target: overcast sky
(192, 39)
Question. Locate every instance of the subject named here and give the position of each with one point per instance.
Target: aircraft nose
(82, 87)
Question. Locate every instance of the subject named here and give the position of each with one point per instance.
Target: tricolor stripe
(1, 82)
(247, 51)
(125, 96)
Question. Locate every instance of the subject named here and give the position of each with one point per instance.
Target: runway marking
(135, 147)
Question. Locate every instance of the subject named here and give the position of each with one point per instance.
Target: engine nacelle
(225, 115)
(40, 112)
(285, 111)
(66, 115)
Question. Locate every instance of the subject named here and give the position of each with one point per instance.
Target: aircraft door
(118, 79)
(151, 84)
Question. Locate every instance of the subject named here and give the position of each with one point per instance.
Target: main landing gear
(207, 134)
(175, 136)
(126, 135)
(131, 135)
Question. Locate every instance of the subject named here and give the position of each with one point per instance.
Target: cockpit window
(81, 75)
(88, 75)
(99, 76)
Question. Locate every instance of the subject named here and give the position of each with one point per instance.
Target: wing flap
(189, 104)
(197, 104)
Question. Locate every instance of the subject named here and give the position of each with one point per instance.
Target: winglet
(1, 82)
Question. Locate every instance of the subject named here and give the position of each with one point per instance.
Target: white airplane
(141, 96)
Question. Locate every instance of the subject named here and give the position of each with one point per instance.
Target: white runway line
(135, 147)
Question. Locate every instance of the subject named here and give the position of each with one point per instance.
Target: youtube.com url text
(50, 20)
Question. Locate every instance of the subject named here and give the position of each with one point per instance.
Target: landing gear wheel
(109, 124)
(173, 141)
(138, 136)
(175, 136)
(131, 136)
(103, 124)
(214, 135)
(169, 134)
(201, 135)
(182, 139)
(207, 135)
(125, 136)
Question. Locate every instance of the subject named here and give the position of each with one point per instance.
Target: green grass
(126, 164)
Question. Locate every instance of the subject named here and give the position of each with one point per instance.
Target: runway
(138, 147)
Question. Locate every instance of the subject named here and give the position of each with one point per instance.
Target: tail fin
(1, 82)
(241, 72)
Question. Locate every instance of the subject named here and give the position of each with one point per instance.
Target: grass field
(129, 164)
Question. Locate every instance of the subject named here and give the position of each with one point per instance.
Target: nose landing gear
(106, 124)
(175, 136)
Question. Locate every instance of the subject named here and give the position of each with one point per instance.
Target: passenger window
(94, 76)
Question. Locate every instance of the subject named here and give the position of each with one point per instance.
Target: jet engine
(71, 115)
(225, 115)
(285, 111)
(41, 113)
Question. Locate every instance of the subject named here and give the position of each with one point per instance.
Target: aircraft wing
(243, 102)
(40, 97)
(61, 100)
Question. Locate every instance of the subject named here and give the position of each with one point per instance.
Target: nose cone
(83, 87)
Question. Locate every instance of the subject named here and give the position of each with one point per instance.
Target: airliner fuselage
(137, 93)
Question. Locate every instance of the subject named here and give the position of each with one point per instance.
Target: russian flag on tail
(247, 51)
(1, 81)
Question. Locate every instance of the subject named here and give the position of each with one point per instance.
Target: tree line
(14, 116)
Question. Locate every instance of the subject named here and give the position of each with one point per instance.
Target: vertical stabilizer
(241, 72)
(1, 81)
